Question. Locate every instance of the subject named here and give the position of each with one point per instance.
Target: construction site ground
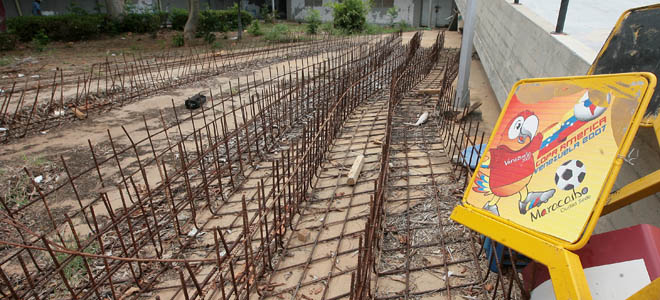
(422, 253)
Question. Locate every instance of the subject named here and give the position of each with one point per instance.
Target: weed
(40, 41)
(255, 28)
(267, 14)
(403, 26)
(313, 21)
(279, 33)
(18, 192)
(177, 40)
(135, 48)
(216, 45)
(329, 29)
(209, 37)
(4, 61)
(35, 161)
(75, 269)
(393, 13)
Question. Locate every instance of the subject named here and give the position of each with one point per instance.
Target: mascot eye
(514, 130)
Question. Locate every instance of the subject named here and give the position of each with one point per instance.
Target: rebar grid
(132, 236)
(260, 168)
(411, 248)
(31, 105)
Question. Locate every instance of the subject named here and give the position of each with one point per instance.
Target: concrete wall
(514, 43)
(408, 12)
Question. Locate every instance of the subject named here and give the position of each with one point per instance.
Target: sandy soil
(71, 141)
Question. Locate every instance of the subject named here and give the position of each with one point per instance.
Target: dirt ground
(59, 141)
(41, 153)
(79, 56)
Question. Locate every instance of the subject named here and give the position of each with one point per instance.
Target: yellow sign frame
(646, 122)
(649, 184)
(564, 266)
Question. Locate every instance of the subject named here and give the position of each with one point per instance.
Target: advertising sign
(552, 151)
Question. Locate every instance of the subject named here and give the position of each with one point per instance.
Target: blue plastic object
(502, 256)
(470, 155)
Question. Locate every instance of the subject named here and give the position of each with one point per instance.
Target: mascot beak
(529, 128)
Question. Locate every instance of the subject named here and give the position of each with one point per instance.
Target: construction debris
(421, 120)
(195, 102)
(356, 168)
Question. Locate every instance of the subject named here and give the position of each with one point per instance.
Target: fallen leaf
(489, 287)
(317, 290)
(129, 292)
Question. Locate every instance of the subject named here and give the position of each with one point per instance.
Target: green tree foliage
(313, 21)
(350, 16)
(222, 20)
(178, 18)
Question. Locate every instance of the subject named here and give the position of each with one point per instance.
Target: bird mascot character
(508, 168)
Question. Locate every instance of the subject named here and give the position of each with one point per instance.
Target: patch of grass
(217, 45)
(75, 269)
(34, 161)
(18, 191)
(162, 44)
(255, 28)
(4, 61)
(136, 48)
(209, 37)
(178, 40)
(279, 33)
(377, 29)
(329, 29)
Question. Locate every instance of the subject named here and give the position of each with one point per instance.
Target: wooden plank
(429, 91)
(354, 173)
(472, 108)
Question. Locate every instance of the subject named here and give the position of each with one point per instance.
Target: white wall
(514, 43)
(375, 16)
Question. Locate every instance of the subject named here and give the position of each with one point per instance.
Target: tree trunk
(240, 24)
(193, 18)
(3, 16)
(115, 8)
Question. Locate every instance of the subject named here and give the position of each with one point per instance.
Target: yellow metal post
(649, 292)
(565, 268)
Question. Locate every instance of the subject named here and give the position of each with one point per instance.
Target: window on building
(383, 3)
(313, 3)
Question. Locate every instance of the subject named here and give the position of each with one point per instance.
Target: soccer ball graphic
(586, 110)
(570, 174)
